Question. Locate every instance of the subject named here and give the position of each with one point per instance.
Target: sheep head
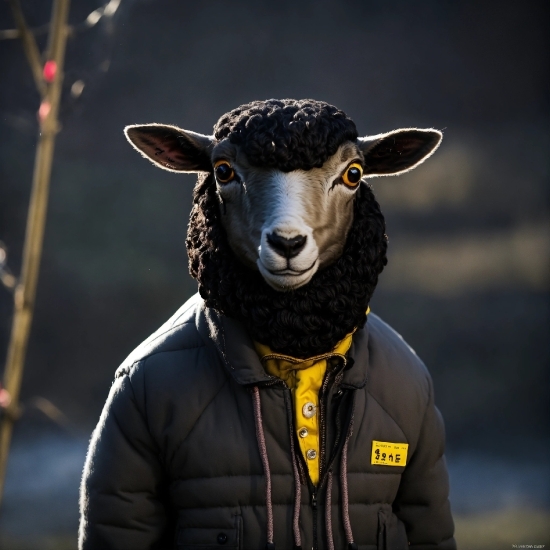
(285, 182)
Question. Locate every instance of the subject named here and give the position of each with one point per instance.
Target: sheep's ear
(398, 151)
(172, 148)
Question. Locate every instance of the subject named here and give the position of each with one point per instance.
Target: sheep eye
(353, 174)
(224, 172)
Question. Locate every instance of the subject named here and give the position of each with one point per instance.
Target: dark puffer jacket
(194, 449)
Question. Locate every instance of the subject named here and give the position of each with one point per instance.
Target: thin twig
(29, 45)
(107, 10)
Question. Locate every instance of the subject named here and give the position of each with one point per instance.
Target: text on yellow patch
(389, 454)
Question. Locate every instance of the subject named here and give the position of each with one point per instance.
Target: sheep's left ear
(398, 151)
(172, 148)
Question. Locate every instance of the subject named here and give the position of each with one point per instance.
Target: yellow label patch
(389, 454)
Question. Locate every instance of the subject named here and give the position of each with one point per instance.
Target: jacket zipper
(322, 424)
(314, 511)
(322, 451)
(322, 413)
(322, 420)
(312, 488)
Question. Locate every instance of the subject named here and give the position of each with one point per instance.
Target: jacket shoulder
(397, 378)
(177, 334)
(388, 346)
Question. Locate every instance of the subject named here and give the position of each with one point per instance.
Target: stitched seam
(126, 370)
(238, 505)
(172, 328)
(433, 544)
(226, 476)
(144, 529)
(430, 391)
(416, 505)
(377, 473)
(142, 413)
(223, 348)
(260, 505)
(143, 417)
(198, 418)
(396, 423)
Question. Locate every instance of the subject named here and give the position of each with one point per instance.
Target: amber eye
(224, 172)
(353, 174)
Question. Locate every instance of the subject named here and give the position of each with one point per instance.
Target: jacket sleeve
(121, 505)
(422, 502)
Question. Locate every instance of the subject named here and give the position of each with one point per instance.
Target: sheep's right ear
(172, 148)
(399, 151)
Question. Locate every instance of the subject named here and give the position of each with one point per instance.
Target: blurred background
(467, 284)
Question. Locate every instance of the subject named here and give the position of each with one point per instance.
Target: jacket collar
(356, 372)
(236, 350)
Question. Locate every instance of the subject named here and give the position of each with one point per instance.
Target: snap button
(311, 454)
(303, 432)
(309, 409)
(222, 538)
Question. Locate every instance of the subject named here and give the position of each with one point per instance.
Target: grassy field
(503, 529)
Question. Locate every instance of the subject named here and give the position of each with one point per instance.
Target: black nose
(287, 248)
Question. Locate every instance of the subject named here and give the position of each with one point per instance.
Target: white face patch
(287, 224)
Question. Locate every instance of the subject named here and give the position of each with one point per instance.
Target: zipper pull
(314, 501)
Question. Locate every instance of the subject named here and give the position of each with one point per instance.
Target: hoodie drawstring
(345, 494)
(260, 436)
(328, 512)
(265, 463)
(297, 482)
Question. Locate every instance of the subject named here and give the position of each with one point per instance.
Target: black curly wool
(287, 134)
(304, 322)
(311, 319)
